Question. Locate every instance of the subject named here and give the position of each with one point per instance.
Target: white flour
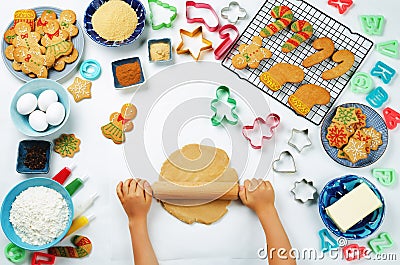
(39, 215)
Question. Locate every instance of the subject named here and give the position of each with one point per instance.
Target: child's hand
(258, 195)
(135, 197)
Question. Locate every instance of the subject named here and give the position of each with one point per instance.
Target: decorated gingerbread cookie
(361, 136)
(282, 73)
(42, 20)
(251, 54)
(32, 61)
(10, 35)
(67, 20)
(345, 116)
(80, 89)
(355, 150)
(25, 15)
(67, 145)
(307, 96)
(337, 135)
(376, 137)
(56, 40)
(25, 37)
(60, 63)
(120, 122)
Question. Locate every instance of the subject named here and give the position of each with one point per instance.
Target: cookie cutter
(372, 25)
(190, 19)
(233, 12)
(227, 41)
(296, 143)
(304, 191)
(392, 118)
(330, 243)
(377, 97)
(341, 5)
(165, 6)
(282, 155)
(389, 48)
(383, 71)
(90, 69)
(382, 242)
(272, 121)
(40, 258)
(386, 176)
(361, 83)
(197, 31)
(14, 253)
(354, 252)
(223, 95)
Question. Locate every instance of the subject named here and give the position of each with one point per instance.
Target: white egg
(46, 98)
(55, 113)
(37, 120)
(26, 103)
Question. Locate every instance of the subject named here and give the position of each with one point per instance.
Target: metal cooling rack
(324, 26)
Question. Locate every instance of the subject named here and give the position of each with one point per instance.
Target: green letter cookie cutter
(223, 95)
(389, 48)
(14, 253)
(372, 25)
(386, 176)
(166, 6)
(361, 83)
(383, 241)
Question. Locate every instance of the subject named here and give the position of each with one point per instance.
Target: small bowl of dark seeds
(33, 157)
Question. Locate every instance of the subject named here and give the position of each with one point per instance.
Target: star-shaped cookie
(80, 89)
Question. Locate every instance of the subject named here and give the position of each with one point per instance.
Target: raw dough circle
(197, 163)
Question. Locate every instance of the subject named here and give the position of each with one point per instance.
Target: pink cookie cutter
(227, 40)
(272, 121)
(190, 19)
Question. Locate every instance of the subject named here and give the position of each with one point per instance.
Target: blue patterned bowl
(337, 188)
(95, 4)
(373, 120)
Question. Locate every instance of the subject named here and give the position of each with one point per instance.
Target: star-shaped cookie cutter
(197, 31)
(223, 94)
(300, 192)
(272, 121)
(296, 143)
(233, 12)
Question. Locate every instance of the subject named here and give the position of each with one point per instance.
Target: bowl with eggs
(40, 107)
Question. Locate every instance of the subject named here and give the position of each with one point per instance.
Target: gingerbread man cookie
(10, 35)
(56, 40)
(67, 20)
(251, 54)
(42, 20)
(120, 122)
(24, 36)
(63, 60)
(32, 61)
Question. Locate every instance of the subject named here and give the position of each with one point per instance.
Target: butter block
(353, 207)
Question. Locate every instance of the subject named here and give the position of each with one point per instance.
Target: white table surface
(236, 238)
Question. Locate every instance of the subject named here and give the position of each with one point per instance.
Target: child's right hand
(135, 197)
(258, 195)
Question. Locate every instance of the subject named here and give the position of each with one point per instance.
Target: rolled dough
(197, 163)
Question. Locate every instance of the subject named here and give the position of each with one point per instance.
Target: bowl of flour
(36, 214)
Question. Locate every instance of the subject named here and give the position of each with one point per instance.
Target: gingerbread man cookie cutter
(223, 95)
(272, 121)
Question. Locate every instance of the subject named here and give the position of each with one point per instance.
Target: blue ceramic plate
(78, 42)
(9, 199)
(95, 4)
(22, 152)
(114, 65)
(373, 120)
(36, 87)
(337, 188)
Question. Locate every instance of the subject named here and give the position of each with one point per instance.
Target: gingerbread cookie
(56, 40)
(251, 54)
(345, 60)
(303, 31)
(376, 137)
(341, 154)
(67, 145)
(120, 122)
(43, 19)
(325, 48)
(284, 16)
(60, 63)
(27, 15)
(25, 37)
(345, 116)
(362, 119)
(337, 135)
(9, 52)
(67, 20)
(33, 61)
(281, 73)
(307, 96)
(361, 136)
(10, 35)
(80, 89)
(355, 150)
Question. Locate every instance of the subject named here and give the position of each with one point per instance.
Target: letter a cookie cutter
(207, 44)
(190, 19)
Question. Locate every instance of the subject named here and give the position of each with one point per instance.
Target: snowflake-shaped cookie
(362, 119)
(337, 135)
(345, 116)
(376, 137)
(67, 145)
(80, 89)
(355, 150)
(361, 136)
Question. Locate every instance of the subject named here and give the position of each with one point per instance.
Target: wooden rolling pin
(164, 190)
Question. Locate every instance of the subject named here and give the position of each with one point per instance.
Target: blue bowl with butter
(335, 190)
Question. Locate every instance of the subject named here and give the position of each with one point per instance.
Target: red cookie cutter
(272, 121)
(190, 19)
(40, 258)
(354, 252)
(341, 5)
(227, 40)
